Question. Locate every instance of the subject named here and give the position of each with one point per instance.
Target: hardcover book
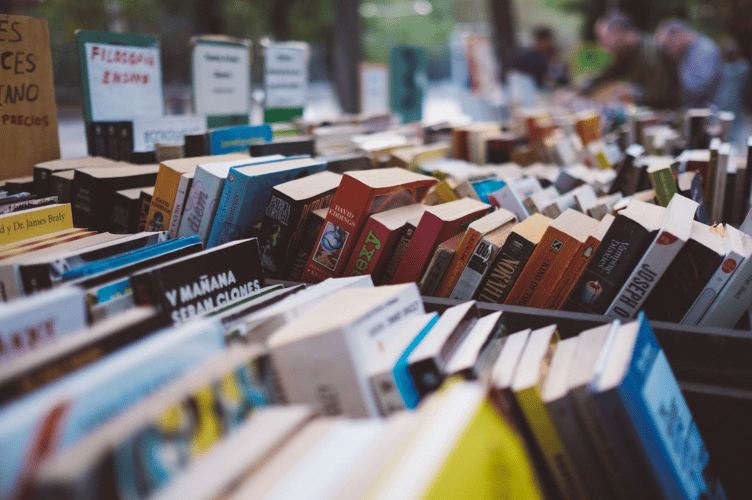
(438, 265)
(225, 273)
(285, 219)
(624, 244)
(562, 241)
(437, 224)
(204, 197)
(43, 171)
(674, 232)
(399, 251)
(246, 195)
(126, 211)
(360, 195)
(687, 275)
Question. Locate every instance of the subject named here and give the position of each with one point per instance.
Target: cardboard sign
(374, 88)
(121, 76)
(285, 79)
(28, 114)
(222, 77)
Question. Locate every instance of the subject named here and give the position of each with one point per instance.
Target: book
(360, 195)
(246, 195)
(480, 349)
(366, 322)
(428, 361)
(237, 139)
(438, 265)
(10, 248)
(456, 471)
(203, 199)
(399, 250)
(479, 263)
(32, 322)
(91, 396)
(37, 221)
(312, 229)
(43, 171)
(228, 272)
(184, 186)
(228, 388)
(561, 242)
(635, 387)
(662, 178)
(527, 385)
(512, 195)
(437, 224)
(286, 215)
(674, 232)
(733, 258)
(292, 146)
(388, 375)
(126, 211)
(45, 272)
(538, 200)
(473, 235)
(145, 201)
(578, 263)
(624, 244)
(687, 275)
(24, 204)
(712, 176)
(627, 172)
(726, 165)
(64, 354)
(94, 187)
(511, 259)
(689, 185)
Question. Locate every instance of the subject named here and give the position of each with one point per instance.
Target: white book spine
(506, 199)
(645, 276)
(733, 300)
(474, 271)
(10, 282)
(201, 204)
(721, 276)
(177, 207)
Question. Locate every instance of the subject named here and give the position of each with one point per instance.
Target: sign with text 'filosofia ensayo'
(28, 113)
(121, 76)
(222, 79)
(285, 80)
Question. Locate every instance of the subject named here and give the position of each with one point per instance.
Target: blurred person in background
(636, 59)
(698, 61)
(541, 61)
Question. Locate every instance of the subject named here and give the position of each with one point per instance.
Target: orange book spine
(458, 263)
(544, 269)
(572, 274)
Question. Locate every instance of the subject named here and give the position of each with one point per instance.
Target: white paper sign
(124, 82)
(286, 75)
(166, 130)
(221, 79)
(374, 88)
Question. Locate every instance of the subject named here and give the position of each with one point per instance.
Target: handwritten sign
(28, 114)
(286, 74)
(221, 78)
(124, 82)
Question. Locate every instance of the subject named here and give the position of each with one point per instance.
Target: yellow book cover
(530, 379)
(17, 226)
(445, 192)
(165, 190)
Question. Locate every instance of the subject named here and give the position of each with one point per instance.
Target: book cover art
(330, 245)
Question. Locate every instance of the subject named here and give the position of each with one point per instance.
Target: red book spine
(422, 246)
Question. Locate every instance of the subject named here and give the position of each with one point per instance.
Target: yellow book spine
(445, 192)
(558, 460)
(163, 198)
(18, 226)
(488, 462)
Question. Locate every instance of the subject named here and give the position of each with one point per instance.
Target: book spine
(710, 182)
(682, 282)
(21, 205)
(733, 301)
(559, 462)
(368, 249)
(184, 187)
(713, 288)
(145, 204)
(113, 141)
(476, 268)
(459, 262)
(10, 282)
(505, 269)
(427, 375)
(308, 241)
(32, 223)
(399, 252)
(435, 271)
(82, 199)
(386, 393)
(125, 140)
(613, 261)
(280, 220)
(664, 185)
(573, 271)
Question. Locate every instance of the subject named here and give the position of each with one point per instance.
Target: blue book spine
(233, 140)
(484, 188)
(116, 289)
(402, 377)
(246, 201)
(129, 258)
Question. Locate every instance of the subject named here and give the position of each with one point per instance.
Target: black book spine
(308, 242)
(427, 376)
(747, 181)
(614, 259)
(682, 282)
(623, 175)
(113, 141)
(95, 132)
(506, 268)
(83, 193)
(399, 252)
(125, 139)
(286, 148)
(145, 203)
(41, 181)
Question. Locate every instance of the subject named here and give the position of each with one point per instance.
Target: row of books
(137, 408)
